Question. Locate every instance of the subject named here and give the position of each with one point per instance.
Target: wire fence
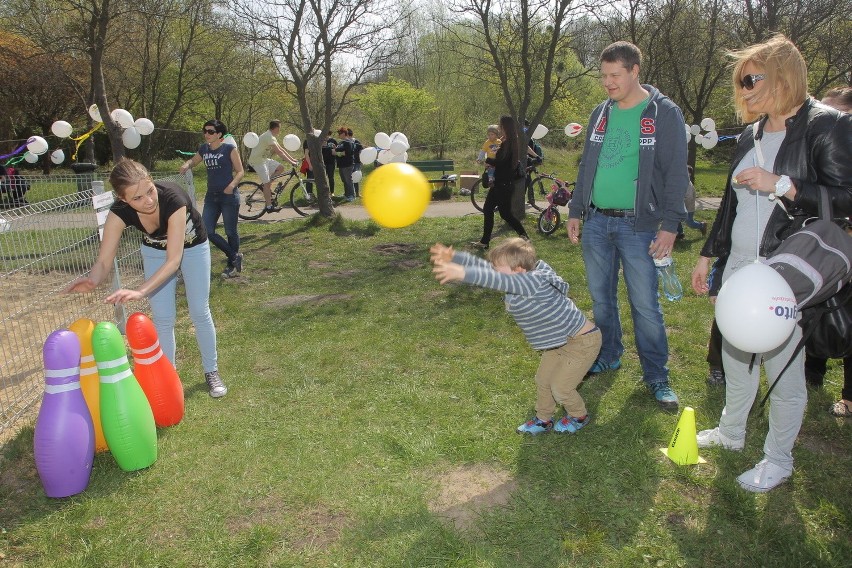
(44, 245)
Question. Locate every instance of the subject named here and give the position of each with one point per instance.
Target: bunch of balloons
(710, 137)
(389, 148)
(291, 142)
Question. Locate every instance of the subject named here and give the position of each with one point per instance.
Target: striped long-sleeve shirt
(536, 300)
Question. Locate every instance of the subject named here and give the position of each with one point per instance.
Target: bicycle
(253, 203)
(478, 193)
(560, 194)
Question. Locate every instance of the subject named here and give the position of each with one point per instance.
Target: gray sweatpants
(786, 402)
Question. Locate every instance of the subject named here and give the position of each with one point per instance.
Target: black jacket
(816, 152)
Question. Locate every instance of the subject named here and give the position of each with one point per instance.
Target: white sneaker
(710, 438)
(763, 477)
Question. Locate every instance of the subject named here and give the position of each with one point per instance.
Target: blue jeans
(607, 243)
(195, 266)
(216, 204)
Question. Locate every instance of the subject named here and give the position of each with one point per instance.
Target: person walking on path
(506, 164)
(173, 237)
(224, 172)
(630, 190)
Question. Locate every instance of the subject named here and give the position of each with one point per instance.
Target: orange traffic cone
(683, 448)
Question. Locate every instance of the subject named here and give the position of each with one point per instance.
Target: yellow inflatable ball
(396, 195)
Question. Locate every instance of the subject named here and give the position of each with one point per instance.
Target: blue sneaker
(664, 394)
(570, 424)
(535, 426)
(600, 366)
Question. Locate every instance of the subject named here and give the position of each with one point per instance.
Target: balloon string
(14, 161)
(182, 153)
(15, 151)
(82, 138)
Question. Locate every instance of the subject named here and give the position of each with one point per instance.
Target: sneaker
(215, 385)
(269, 209)
(599, 366)
(238, 261)
(665, 396)
(763, 477)
(570, 424)
(535, 426)
(479, 245)
(711, 438)
(716, 378)
(230, 272)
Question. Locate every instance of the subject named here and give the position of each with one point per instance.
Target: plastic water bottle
(668, 278)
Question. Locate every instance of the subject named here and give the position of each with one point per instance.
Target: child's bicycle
(560, 194)
(479, 192)
(253, 204)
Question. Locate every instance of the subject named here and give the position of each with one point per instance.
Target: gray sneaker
(215, 384)
(230, 272)
(238, 261)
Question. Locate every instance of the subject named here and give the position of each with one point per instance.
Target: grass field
(370, 422)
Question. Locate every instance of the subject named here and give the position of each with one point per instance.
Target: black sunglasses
(749, 81)
(205, 131)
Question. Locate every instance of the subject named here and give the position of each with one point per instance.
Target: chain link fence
(45, 245)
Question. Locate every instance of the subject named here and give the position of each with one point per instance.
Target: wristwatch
(783, 185)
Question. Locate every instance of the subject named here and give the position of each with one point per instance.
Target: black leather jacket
(816, 152)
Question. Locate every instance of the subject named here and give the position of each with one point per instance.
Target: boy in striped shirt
(535, 296)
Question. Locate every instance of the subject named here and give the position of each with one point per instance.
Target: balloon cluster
(389, 148)
(133, 129)
(290, 142)
(707, 140)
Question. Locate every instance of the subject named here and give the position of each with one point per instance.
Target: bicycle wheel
(549, 220)
(301, 200)
(252, 202)
(540, 186)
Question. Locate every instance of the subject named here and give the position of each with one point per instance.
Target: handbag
(831, 335)
(305, 167)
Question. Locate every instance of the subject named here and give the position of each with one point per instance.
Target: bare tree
(336, 42)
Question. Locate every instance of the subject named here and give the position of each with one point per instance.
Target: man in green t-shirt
(630, 189)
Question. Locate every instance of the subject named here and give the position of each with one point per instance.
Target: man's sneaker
(269, 209)
(230, 272)
(600, 366)
(716, 378)
(763, 477)
(238, 261)
(711, 438)
(570, 425)
(215, 385)
(665, 396)
(535, 426)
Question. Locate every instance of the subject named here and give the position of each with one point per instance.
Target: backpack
(358, 148)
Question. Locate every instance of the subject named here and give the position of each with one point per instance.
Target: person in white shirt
(260, 159)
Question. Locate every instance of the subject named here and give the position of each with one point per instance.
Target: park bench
(430, 167)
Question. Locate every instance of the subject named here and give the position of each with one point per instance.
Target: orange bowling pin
(156, 374)
(89, 380)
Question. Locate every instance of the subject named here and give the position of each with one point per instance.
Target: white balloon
(573, 130)
(368, 155)
(382, 140)
(37, 145)
(384, 156)
(61, 129)
(398, 147)
(250, 139)
(122, 117)
(708, 124)
(145, 126)
(539, 132)
(694, 129)
(756, 309)
(711, 139)
(57, 156)
(95, 113)
(398, 136)
(291, 143)
(228, 139)
(30, 157)
(357, 176)
(688, 132)
(317, 132)
(131, 138)
(5, 226)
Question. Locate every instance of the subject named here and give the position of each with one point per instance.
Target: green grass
(345, 410)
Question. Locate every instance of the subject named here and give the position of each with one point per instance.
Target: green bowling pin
(126, 416)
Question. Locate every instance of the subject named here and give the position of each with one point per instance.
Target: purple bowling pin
(64, 444)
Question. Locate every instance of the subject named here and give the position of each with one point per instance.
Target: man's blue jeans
(610, 242)
(216, 204)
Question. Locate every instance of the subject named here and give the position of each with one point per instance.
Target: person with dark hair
(173, 237)
(356, 159)
(506, 164)
(630, 189)
(261, 161)
(791, 151)
(345, 154)
(329, 146)
(224, 172)
(839, 98)
(13, 185)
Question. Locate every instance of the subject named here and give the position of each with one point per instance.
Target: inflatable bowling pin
(156, 374)
(89, 380)
(64, 443)
(125, 413)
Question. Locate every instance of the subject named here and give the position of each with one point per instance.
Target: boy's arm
(467, 259)
(522, 284)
